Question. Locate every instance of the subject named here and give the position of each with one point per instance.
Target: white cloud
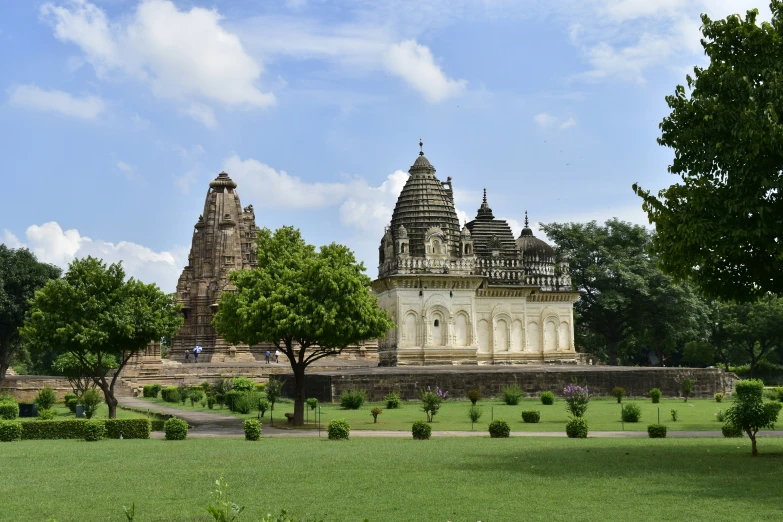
(547, 121)
(33, 97)
(202, 114)
(414, 64)
(183, 55)
(127, 170)
(186, 181)
(370, 208)
(52, 244)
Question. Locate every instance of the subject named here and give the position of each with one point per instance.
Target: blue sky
(116, 114)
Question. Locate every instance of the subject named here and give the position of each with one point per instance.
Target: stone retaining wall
(25, 387)
(327, 386)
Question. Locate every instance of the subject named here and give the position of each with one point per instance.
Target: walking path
(218, 425)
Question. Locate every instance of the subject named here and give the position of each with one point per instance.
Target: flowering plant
(431, 401)
(576, 398)
(686, 380)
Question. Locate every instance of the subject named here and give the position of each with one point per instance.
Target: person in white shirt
(277, 356)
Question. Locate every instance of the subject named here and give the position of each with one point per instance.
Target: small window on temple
(436, 323)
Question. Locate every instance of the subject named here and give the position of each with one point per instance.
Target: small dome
(465, 232)
(402, 232)
(422, 163)
(223, 181)
(530, 245)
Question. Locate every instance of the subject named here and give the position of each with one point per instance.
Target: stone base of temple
(469, 355)
(232, 356)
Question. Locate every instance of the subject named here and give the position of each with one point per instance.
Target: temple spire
(526, 223)
(484, 212)
(421, 147)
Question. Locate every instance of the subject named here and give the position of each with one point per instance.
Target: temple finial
(485, 196)
(526, 223)
(421, 147)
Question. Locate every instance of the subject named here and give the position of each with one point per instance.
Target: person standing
(196, 351)
(187, 356)
(277, 356)
(267, 356)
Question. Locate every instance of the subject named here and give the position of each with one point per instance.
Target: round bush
(421, 430)
(730, 431)
(339, 429)
(312, 403)
(69, 396)
(252, 429)
(352, 399)
(175, 429)
(532, 416)
(618, 392)
(94, 430)
(72, 403)
(718, 397)
(631, 412)
(393, 401)
(576, 428)
(9, 410)
(657, 431)
(547, 398)
(655, 395)
(10, 431)
(499, 429)
(46, 398)
(474, 395)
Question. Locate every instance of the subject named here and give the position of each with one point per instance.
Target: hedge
(130, 428)
(94, 430)
(151, 390)
(657, 431)
(421, 430)
(47, 430)
(252, 429)
(9, 410)
(10, 431)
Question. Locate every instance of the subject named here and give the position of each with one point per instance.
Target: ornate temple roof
(223, 181)
(425, 202)
(485, 227)
(531, 246)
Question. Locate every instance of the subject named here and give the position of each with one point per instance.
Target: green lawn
(457, 479)
(602, 415)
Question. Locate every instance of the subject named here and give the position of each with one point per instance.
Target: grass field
(457, 479)
(603, 414)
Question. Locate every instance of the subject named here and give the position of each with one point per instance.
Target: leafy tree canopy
(309, 304)
(749, 412)
(99, 318)
(754, 328)
(720, 226)
(21, 274)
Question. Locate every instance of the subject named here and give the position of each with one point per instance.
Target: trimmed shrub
(393, 401)
(49, 430)
(94, 430)
(90, 399)
(352, 399)
(511, 394)
(9, 410)
(170, 394)
(243, 384)
(499, 429)
(720, 416)
(157, 424)
(252, 429)
(657, 431)
(531, 416)
(730, 431)
(46, 415)
(618, 392)
(547, 398)
(45, 399)
(129, 428)
(246, 402)
(631, 412)
(211, 400)
(375, 412)
(718, 397)
(675, 415)
(263, 405)
(339, 429)
(10, 430)
(576, 428)
(655, 395)
(312, 402)
(231, 398)
(421, 430)
(474, 413)
(72, 403)
(196, 395)
(69, 396)
(474, 396)
(150, 391)
(261, 387)
(176, 429)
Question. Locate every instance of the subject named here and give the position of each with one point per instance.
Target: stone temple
(224, 239)
(474, 295)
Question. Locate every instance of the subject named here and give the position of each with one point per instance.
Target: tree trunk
(753, 452)
(3, 369)
(6, 354)
(612, 353)
(108, 395)
(299, 394)
(753, 361)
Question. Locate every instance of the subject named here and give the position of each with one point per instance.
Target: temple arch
(483, 335)
(517, 336)
(461, 329)
(409, 329)
(532, 337)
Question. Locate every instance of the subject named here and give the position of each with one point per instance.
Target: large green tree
(21, 274)
(755, 328)
(627, 306)
(100, 318)
(720, 226)
(309, 304)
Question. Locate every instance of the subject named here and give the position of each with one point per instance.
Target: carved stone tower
(223, 240)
